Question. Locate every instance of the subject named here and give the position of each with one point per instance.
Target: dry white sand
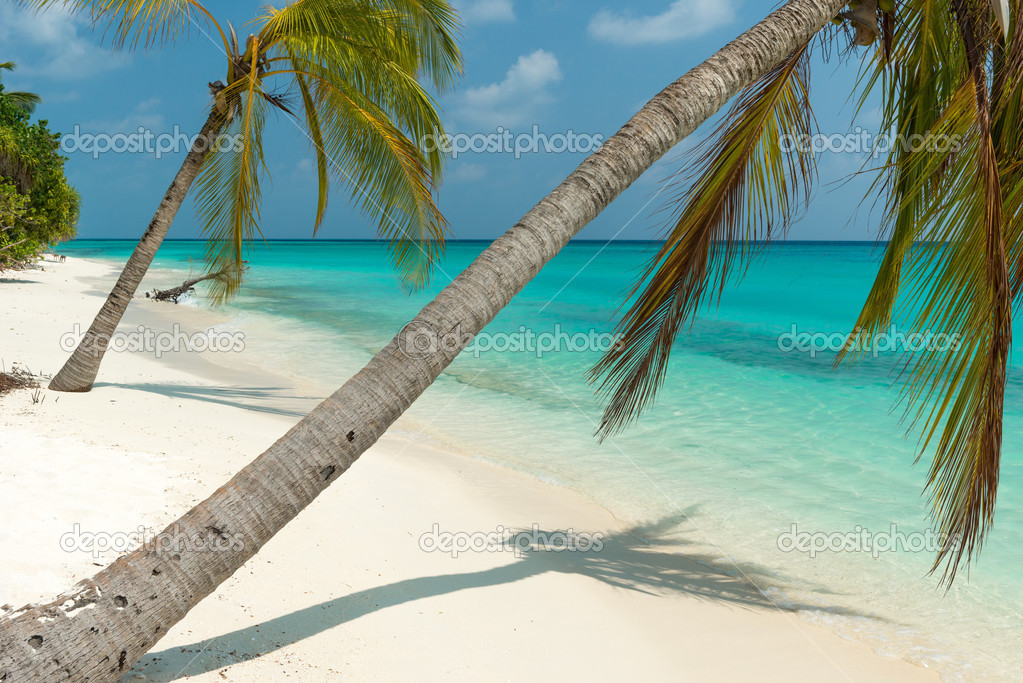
(346, 590)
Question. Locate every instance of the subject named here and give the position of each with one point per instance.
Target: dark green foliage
(38, 208)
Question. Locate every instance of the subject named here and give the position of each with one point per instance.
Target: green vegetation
(37, 206)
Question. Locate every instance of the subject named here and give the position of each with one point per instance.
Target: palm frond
(316, 135)
(928, 74)
(749, 179)
(358, 67)
(228, 189)
(372, 49)
(386, 173)
(416, 35)
(959, 290)
(1007, 134)
(25, 101)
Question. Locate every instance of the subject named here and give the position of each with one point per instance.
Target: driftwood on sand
(18, 378)
(173, 293)
(188, 285)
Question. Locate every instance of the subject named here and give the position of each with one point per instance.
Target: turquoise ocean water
(747, 439)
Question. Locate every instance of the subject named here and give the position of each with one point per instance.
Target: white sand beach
(346, 590)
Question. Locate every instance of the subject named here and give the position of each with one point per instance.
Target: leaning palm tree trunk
(99, 629)
(79, 372)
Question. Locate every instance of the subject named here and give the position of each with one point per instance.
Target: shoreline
(200, 417)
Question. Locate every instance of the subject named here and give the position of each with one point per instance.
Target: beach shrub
(38, 208)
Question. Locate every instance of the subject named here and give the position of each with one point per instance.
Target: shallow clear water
(745, 440)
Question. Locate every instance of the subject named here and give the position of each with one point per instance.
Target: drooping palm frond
(357, 67)
(961, 291)
(749, 179)
(26, 101)
(952, 80)
(929, 70)
(228, 188)
(954, 187)
(315, 131)
(387, 174)
(416, 35)
(958, 292)
(1007, 134)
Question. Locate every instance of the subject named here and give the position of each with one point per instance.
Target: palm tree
(353, 69)
(950, 77)
(101, 627)
(26, 101)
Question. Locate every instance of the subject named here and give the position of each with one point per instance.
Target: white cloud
(485, 11)
(53, 44)
(515, 99)
(146, 115)
(468, 173)
(683, 19)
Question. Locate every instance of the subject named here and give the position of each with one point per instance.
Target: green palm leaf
(962, 289)
(316, 137)
(228, 190)
(928, 73)
(387, 175)
(748, 183)
(357, 66)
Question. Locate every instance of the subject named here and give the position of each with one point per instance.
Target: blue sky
(560, 65)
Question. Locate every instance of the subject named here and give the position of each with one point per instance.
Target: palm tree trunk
(80, 370)
(105, 624)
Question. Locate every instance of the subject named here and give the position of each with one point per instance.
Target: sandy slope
(347, 590)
